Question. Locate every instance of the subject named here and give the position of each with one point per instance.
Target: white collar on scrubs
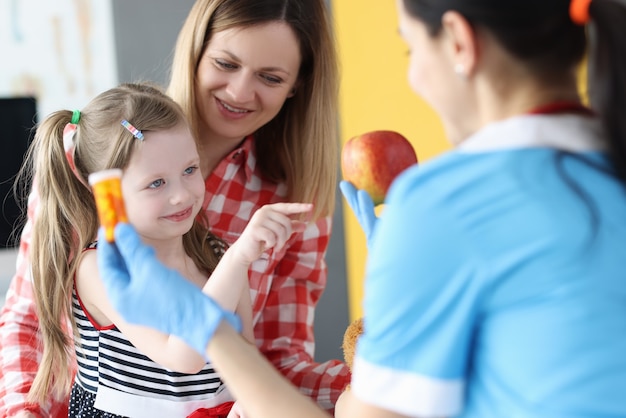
(565, 131)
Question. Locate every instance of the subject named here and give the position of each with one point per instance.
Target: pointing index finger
(292, 208)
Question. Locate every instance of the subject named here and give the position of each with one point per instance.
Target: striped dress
(114, 379)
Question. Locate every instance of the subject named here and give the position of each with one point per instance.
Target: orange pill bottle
(107, 190)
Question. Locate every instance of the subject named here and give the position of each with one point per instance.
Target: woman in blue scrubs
(495, 284)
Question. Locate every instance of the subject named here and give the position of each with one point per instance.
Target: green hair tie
(75, 117)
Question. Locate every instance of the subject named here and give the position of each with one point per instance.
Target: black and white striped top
(108, 362)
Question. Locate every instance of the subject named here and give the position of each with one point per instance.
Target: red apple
(371, 161)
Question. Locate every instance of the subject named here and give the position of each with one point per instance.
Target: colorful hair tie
(130, 128)
(579, 11)
(69, 144)
(75, 117)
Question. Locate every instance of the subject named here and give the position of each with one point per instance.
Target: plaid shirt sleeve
(20, 344)
(284, 326)
(286, 286)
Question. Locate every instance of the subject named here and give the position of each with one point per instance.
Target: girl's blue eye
(191, 170)
(156, 184)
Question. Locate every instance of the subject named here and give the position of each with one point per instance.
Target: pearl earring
(459, 69)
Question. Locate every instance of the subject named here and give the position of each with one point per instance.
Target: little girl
(123, 369)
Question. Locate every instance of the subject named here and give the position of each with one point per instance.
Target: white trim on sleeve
(406, 393)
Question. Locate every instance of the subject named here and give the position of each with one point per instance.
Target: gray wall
(145, 35)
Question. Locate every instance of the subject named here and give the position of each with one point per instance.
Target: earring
(459, 69)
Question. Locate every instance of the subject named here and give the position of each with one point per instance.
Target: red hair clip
(579, 11)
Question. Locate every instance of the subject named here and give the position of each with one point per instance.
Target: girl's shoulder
(87, 263)
(87, 266)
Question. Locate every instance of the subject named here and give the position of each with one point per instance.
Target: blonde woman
(258, 81)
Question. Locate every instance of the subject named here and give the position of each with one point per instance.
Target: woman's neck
(522, 101)
(213, 149)
(496, 101)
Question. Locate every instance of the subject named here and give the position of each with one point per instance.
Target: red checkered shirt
(285, 288)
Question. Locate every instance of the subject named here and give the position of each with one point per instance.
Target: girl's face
(163, 187)
(243, 79)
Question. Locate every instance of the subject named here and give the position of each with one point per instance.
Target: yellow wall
(375, 95)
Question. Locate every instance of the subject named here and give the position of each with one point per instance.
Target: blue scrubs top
(496, 283)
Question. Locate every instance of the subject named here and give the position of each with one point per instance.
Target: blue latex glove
(361, 204)
(145, 292)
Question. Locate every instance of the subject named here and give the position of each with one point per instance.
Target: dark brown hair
(542, 35)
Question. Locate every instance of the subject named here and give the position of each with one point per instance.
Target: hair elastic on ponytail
(75, 117)
(579, 11)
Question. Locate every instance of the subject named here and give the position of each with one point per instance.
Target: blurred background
(58, 54)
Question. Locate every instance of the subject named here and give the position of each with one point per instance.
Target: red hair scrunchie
(579, 11)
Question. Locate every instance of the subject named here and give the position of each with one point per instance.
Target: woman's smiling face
(243, 79)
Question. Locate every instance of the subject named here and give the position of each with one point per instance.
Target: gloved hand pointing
(145, 292)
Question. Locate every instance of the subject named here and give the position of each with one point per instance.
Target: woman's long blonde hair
(66, 219)
(300, 146)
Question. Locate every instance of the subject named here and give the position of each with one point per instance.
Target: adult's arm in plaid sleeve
(285, 327)
(20, 344)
